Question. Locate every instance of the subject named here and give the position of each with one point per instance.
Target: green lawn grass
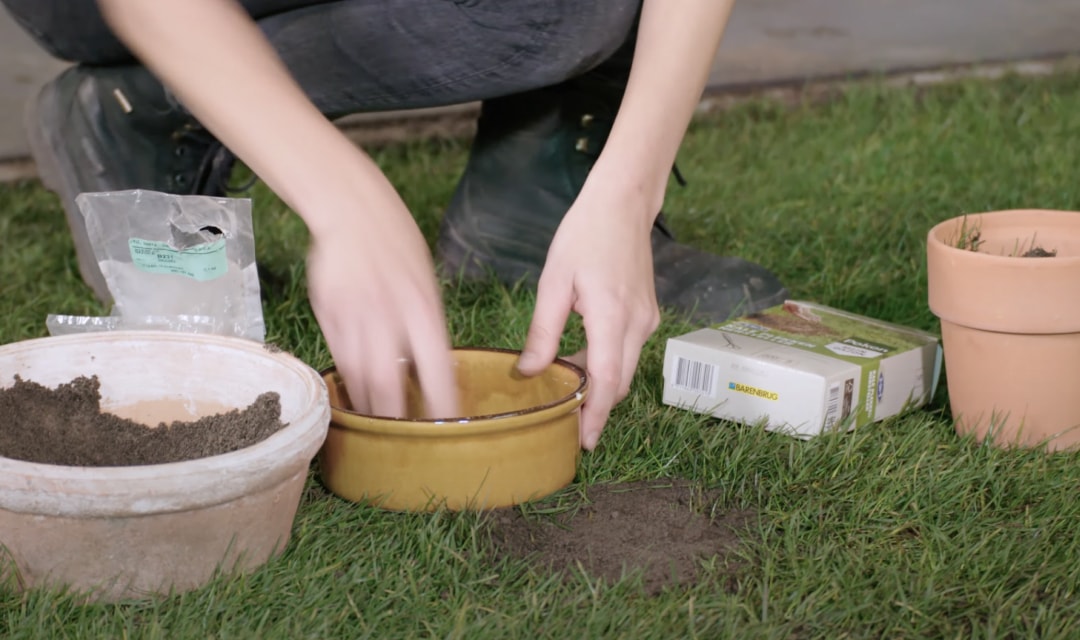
(900, 530)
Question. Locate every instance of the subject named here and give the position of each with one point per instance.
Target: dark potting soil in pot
(662, 529)
(66, 426)
(1039, 252)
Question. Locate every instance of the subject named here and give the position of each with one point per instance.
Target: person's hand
(372, 286)
(600, 266)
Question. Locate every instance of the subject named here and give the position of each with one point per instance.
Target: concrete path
(767, 42)
(776, 41)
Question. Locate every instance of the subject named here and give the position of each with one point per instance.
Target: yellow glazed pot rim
(450, 427)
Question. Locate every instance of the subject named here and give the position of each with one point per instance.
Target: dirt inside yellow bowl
(516, 440)
(489, 385)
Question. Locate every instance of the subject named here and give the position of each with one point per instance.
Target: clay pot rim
(34, 487)
(933, 237)
(464, 425)
(1001, 293)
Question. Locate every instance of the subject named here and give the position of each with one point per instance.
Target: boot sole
(749, 304)
(54, 171)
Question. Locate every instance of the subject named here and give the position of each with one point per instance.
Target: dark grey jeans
(373, 55)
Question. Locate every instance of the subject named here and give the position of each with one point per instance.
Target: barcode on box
(832, 406)
(693, 375)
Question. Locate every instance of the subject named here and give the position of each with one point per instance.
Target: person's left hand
(600, 266)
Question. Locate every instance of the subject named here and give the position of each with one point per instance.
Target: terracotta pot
(129, 532)
(1010, 324)
(520, 441)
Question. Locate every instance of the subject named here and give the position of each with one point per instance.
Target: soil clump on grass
(66, 426)
(664, 529)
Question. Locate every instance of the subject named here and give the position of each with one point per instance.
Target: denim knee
(72, 30)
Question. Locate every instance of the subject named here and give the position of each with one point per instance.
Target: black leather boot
(115, 128)
(529, 161)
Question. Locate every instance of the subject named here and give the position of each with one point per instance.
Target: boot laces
(586, 145)
(212, 174)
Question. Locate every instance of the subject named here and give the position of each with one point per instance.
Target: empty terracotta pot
(130, 532)
(517, 441)
(1010, 323)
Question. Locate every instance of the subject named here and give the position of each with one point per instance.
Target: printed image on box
(802, 369)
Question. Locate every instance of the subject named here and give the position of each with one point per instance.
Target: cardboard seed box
(802, 369)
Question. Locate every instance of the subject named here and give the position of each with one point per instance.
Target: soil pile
(66, 426)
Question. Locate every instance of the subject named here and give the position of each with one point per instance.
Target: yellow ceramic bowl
(518, 442)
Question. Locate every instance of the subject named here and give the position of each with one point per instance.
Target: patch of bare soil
(66, 426)
(661, 528)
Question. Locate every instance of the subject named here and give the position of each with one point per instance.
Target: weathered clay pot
(129, 532)
(518, 441)
(1010, 324)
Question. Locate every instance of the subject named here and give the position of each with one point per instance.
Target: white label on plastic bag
(203, 262)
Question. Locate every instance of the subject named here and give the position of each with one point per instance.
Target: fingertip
(549, 319)
(592, 425)
(353, 391)
(445, 403)
(525, 361)
(539, 352)
(531, 363)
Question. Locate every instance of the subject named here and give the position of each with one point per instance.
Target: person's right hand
(372, 286)
(370, 276)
